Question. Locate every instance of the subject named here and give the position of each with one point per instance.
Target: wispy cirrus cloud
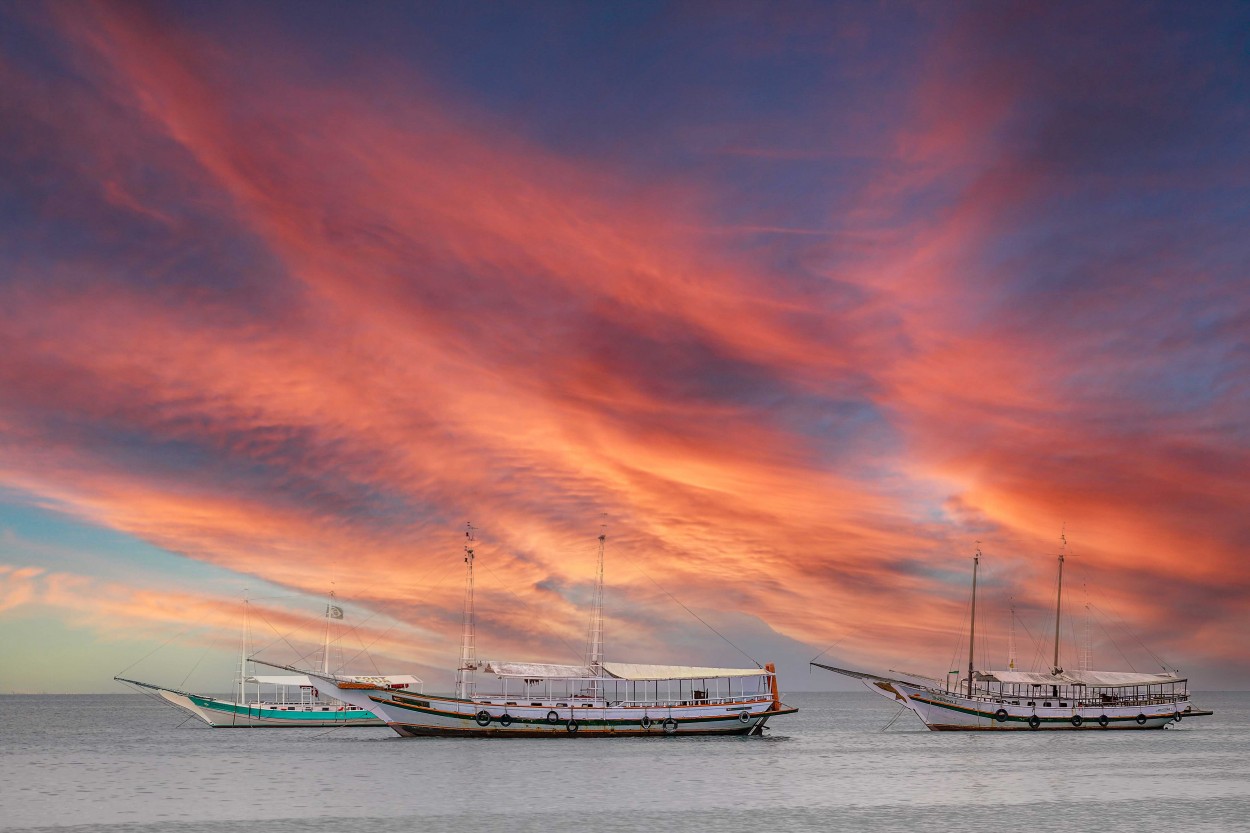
(302, 324)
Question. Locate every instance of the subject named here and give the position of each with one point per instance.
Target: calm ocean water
(126, 763)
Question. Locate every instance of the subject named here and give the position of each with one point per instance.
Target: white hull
(947, 711)
(413, 715)
(225, 714)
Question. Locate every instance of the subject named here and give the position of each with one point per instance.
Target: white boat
(277, 700)
(1056, 699)
(595, 699)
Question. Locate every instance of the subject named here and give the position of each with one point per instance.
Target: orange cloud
(427, 319)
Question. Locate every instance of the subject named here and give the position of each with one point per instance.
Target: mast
(468, 650)
(594, 643)
(1087, 645)
(1059, 601)
(594, 639)
(1011, 639)
(972, 625)
(243, 655)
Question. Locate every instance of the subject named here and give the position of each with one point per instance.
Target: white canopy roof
(1086, 678)
(634, 671)
(537, 670)
(619, 670)
(300, 679)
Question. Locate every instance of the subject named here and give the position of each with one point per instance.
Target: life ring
(571, 726)
(670, 725)
(1103, 720)
(1034, 721)
(553, 717)
(505, 720)
(645, 722)
(1141, 720)
(1001, 715)
(482, 718)
(745, 717)
(1077, 720)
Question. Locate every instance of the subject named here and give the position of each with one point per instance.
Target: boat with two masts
(1056, 699)
(277, 700)
(595, 699)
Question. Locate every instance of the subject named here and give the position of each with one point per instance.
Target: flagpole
(325, 650)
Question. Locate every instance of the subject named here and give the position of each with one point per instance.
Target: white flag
(334, 612)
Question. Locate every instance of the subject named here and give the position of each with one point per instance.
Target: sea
(846, 762)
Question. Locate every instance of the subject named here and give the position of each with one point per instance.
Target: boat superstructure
(1025, 700)
(277, 700)
(595, 699)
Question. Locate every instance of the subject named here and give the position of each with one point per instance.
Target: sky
(800, 304)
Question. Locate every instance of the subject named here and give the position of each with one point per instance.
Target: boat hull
(949, 712)
(432, 716)
(223, 714)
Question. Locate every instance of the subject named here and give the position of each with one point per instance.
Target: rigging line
(203, 653)
(697, 616)
(1037, 646)
(306, 621)
(827, 650)
(300, 656)
(576, 652)
(958, 653)
(1143, 645)
(354, 629)
(146, 693)
(895, 718)
(365, 650)
(183, 633)
(337, 642)
(1107, 634)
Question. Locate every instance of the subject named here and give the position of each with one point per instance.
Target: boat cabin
(296, 692)
(1079, 688)
(615, 684)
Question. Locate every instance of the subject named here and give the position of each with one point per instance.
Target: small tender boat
(597, 699)
(269, 700)
(1025, 700)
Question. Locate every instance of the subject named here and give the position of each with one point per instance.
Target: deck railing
(581, 702)
(1084, 702)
